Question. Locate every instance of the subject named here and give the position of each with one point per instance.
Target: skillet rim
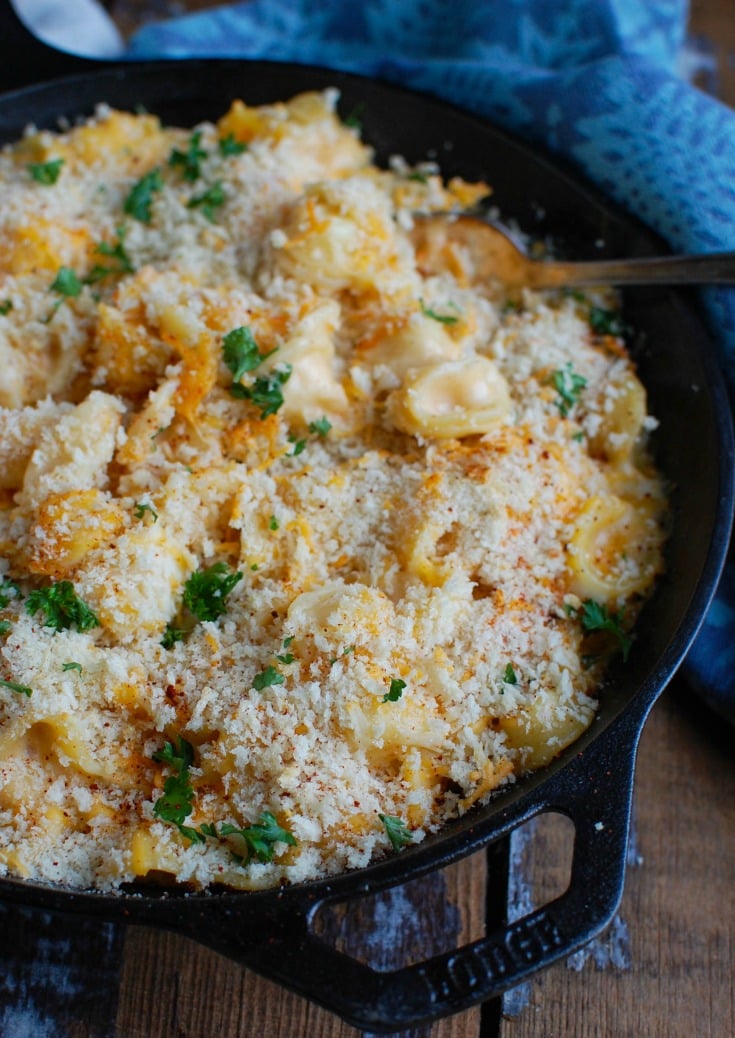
(462, 836)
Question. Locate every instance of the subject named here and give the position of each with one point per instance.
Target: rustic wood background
(664, 969)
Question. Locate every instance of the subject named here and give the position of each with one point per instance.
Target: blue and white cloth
(595, 81)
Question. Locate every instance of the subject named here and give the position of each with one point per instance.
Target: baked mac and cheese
(309, 541)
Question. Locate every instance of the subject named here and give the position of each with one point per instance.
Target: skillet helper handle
(594, 790)
(25, 60)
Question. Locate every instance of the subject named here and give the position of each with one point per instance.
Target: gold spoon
(490, 251)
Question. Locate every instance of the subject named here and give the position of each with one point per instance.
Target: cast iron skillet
(272, 932)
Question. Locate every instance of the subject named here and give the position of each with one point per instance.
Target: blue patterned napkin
(595, 81)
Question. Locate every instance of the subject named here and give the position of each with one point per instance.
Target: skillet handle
(26, 60)
(594, 790)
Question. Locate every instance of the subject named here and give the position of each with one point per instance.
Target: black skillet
(273, 932)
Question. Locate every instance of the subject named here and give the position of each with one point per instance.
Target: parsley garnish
(23, 690)
(206, 590)
(117, 252)
(320, 427)
(441, 318)
(568, 385)
(46, 172)
(139, 202)
(299, 446)
(6, 307)
(396, 691)
(5, 626)
(240, 352)
(286, 657)
(509, 676)
(354, 119)
(273, 523)
(594, 616)
(229, 145)
(606, 322)
(396, 831)
(171, 635)
(61, 607)
(209, 201)
(142, 507)
(66, 283)
(270, 676)
(72, 666)
(265, 392)
(260, 838)
(175, 803)
(420, 178)
(8, 590)
(345, 652)
(189, 160)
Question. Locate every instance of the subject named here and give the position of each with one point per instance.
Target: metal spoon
(493, 253)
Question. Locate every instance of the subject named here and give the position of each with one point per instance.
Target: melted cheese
(415, 514)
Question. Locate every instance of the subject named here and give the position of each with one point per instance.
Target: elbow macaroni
(291, 508)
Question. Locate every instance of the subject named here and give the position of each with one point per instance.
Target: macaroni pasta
(309, 539)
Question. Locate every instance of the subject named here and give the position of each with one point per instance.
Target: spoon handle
(709, 269)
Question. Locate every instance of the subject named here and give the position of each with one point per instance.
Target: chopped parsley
(265, 392)
(607, 322)
(345, 652)
(509, 675)
(66, 283)
(189, 161)
(396, 831)
(206, 590)
(395, 692)
(568, 385)
(46, 172)
(139, 202)
(115, 251)
(171, 635)
(595, 616)
(354, 119)
(260, 838)
(320, 427)
(5, 626)
(61, 607)
(270, 676)
(175, 803)
(241, 353)
(209, 201)
(8, 591)
(6, 307)
(73, 666)
(142, 507)
(229, 145)
(273, 523)
(441, 318)
(420, 178)
(286, 657)
(22, 690)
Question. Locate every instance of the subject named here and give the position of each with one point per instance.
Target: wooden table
(664, 968)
